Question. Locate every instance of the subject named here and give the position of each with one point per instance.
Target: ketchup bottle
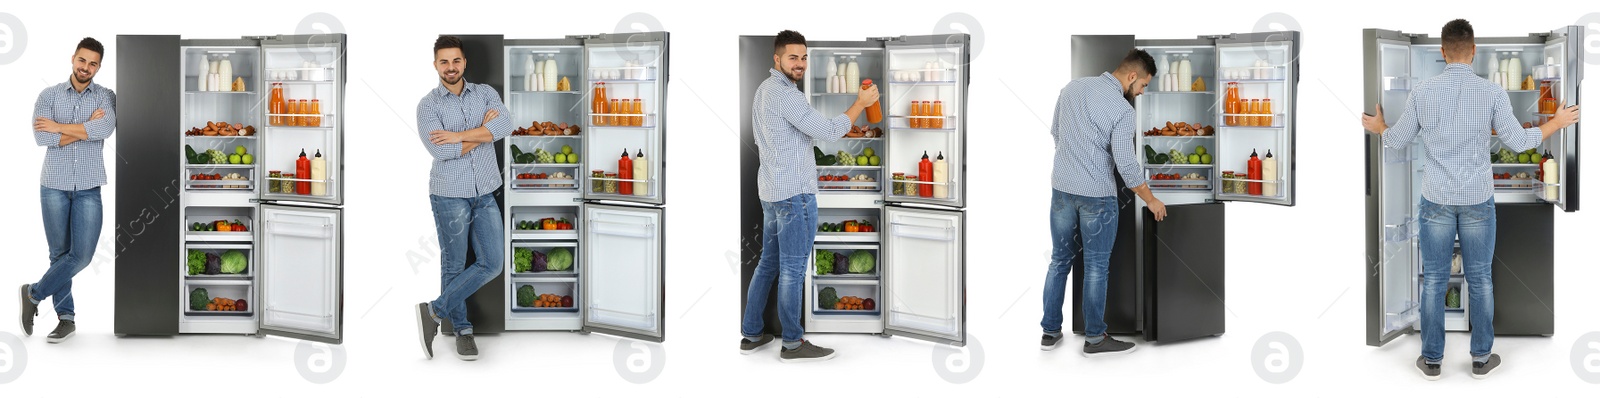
(1254, 166)
(925, 174)
(302, 170)
(625, 171)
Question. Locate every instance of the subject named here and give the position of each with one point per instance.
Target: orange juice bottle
(916, 110)
(938, 110)
(1266, 109)
(316, 114)
(613, 110)
(638, 109)
(599, 106)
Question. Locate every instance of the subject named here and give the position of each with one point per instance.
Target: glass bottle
(916, 110)
(1266, 109)
(316, 114)
(938, 110)
(599, 106)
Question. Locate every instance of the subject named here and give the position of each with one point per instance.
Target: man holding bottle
(1093, 132)
(457, 122)
(785, 124)
(1450, 112)
(71, 120)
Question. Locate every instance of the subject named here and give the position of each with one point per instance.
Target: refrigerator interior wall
(609, 135)
(301, 271)
(925, 74)
(1428, 62)
(209, 106)
(304, 73)
(831, 95)
(623, 281)
(1263, 132)
(1179, 183)
(532, 104)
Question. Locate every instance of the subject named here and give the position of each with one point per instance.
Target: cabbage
(861, 262)
(525, 296)
(540, 262)
(824, 262)
(233, 262)
(559, 259)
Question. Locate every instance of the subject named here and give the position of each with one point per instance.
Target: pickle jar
(611, 184)
(1227, 181)
(272, 183)
(596, 186)
(899, 185)
(909, 189)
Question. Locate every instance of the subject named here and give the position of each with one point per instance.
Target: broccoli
(827, 298)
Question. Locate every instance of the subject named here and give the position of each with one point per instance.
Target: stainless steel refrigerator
(1167, 279)
(1525, 204)
(917, 243)
(252, 208)
(614, 235)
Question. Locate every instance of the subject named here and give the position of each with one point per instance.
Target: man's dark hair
(447, 42)
(89, 43)
(786, 38)
(1138, 59)
(1457, 36)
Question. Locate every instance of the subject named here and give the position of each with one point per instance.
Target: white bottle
(225, 76)
(319, 172)
(1184, 75)
(550, 74)
(1269, 172)
(641, 170)
(1172, 74)
(1516, 70)
(530, 71)
(204, 76)
(1161, 73)
(852, 75)
(941, 176)
(833, 66)
(1550, 177)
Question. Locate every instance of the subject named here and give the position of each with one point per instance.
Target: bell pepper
(865, 226)
(224, 226)
(549, 224)
(850, 226)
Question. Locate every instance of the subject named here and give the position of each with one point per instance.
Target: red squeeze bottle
(925, 174)
(1254, 166)
(625, 171)
(302, 170)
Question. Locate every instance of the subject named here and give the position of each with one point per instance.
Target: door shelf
(1181, 185)
(1235, 196)
(1546, 192)
(1160, 93)
(544, 184)
(222, 313)
(193, 92)
(521, 92)
(1405, 231)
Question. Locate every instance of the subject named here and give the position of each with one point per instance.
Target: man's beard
(82, 80)
(1128, 94)
(447, 80)
(796, 76)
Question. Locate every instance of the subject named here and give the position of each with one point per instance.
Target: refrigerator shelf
(219, 185)
(539, 234)
(830, 278)
(199, 280)
(546, 165)
(519, 92)
(1179, 92)
(909, 129)
(846, 312)
(1514, 183)
(515, 308)
(522, 138)
(544, 184)
(1178, 137)
(546, 276)
(219, 166)
(1513, 165)
(849, 167)
(218, 137)
(1178, 166)
(925, 83)
(192, 283)
(608, 127)
(192, 92)
(848, 186)
(1235, 196)
(1181, 185)
(846, 237)
(220, 313)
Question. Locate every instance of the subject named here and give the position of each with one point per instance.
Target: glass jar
(595, 185)
(285, 186)
(611, 184)
(916, 112)
(910, 189)
(616, 108)
(272, 184)
(315, 120)
(899, 186)
(1227, 181)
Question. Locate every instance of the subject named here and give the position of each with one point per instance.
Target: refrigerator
(291, 246)
(1525, 206)
(1167, 279)
(614, 236)
(917, 244)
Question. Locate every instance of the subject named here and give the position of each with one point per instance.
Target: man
(785, 125)
(458, 122)
(1093, 131)
(72, 121)
(1451, 112)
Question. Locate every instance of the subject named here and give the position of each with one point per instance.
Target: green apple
(1200, 150)
(868, 152)
(572, 158)
(566, 149)
(1205, 158)
(234, 159)
(248, 159)
(239, 150)
(862, 160)
(561, 158)
(1194, 159)
(872, 159)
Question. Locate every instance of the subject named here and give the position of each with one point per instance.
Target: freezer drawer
(1524, 270)
(1184, 273)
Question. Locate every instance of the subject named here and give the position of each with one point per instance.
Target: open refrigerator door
(303, 119)
(625, 134)
(302, 273)
(1393, 192)
(923, 93)
(1257, 119)
(924, 274)
(623, 268)
(1560, 79)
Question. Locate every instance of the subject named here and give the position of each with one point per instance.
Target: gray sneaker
(1049, 343)
(807, 352)
(1429, 372)
(63, 330)
(1481, 370)
(426, 328)
(1107, 346)
(466, 348)
(29, 310)
(747, 347)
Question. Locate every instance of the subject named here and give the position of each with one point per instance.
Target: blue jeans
(788, 229)
(1087, 223)
(71, 228)
(456, 218)
(1475, 224)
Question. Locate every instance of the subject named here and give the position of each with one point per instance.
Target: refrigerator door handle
(647, 230)
(945, 234)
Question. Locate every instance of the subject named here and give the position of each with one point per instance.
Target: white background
(1292, 269)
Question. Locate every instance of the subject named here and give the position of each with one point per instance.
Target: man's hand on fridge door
(867, 96)
(1374, 123)
(1158, 208)
(490, 115)
(1565, 116)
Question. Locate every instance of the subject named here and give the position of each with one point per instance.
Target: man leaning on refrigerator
(1093, 133)
(458, 121)
(785, 124)
(1450, 112)
(72, 121)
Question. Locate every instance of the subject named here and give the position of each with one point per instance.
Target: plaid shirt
(785, 124)
(80, 165)
(454, 174)
(1451, 112)
(1093, 131)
